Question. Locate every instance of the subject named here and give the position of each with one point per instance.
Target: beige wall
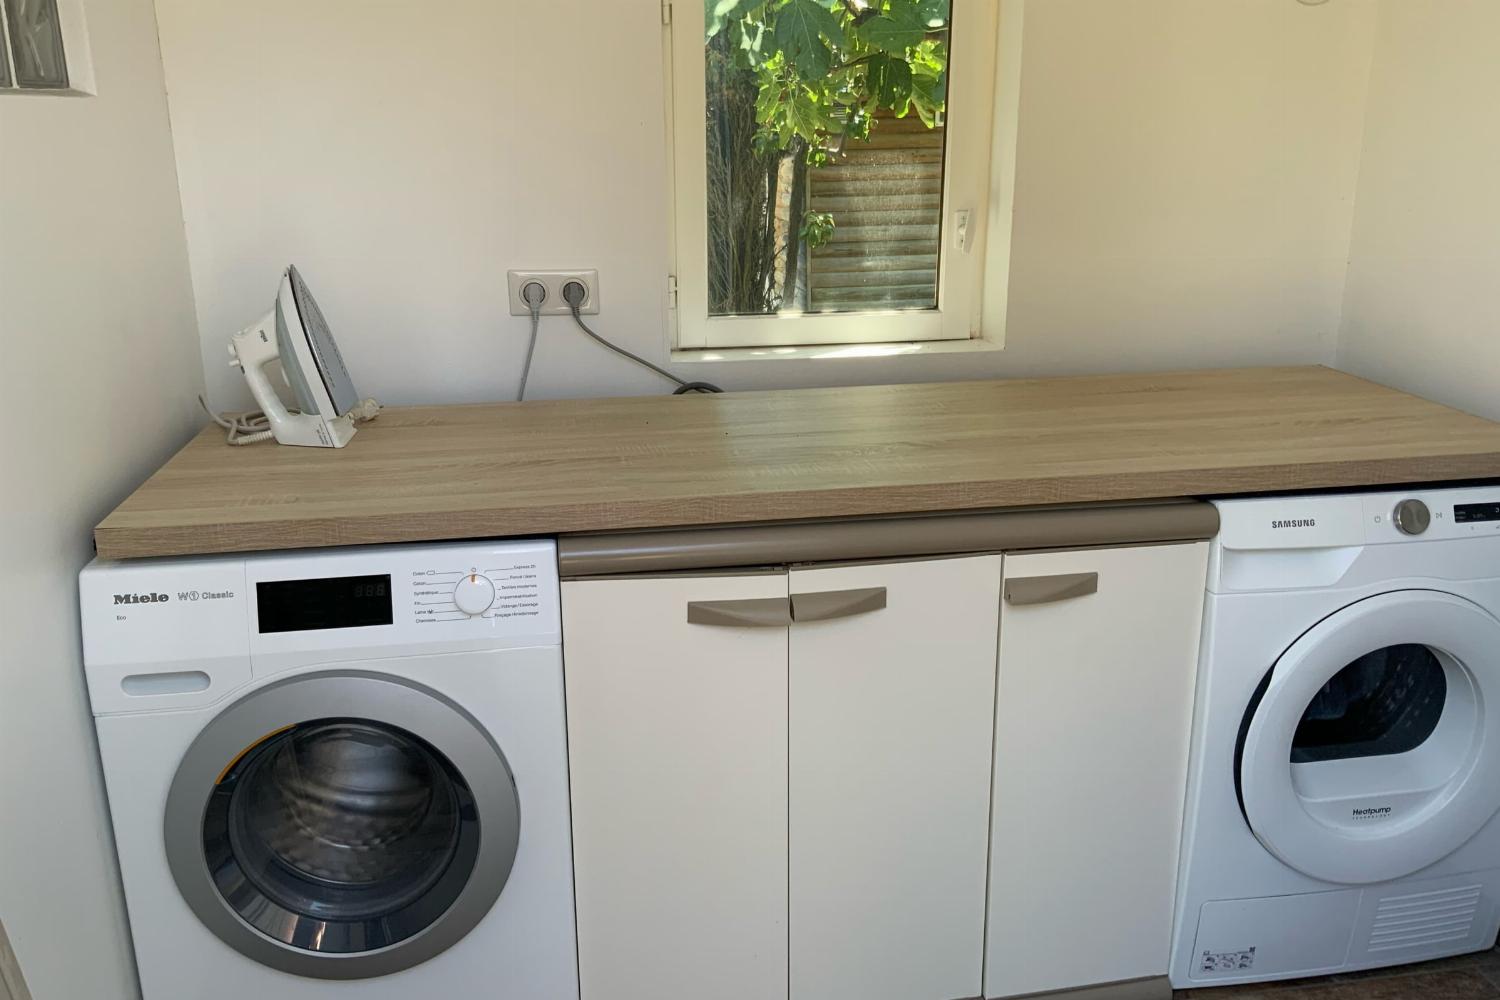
(1185, 179)
(98, 368)
(1422, 307)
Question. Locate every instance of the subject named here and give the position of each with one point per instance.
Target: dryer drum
(1386, 702)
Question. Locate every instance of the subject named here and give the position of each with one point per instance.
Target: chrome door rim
(1468, 639)
(379, 698)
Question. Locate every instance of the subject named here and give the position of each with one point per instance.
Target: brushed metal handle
(829, 604)
(759, 612)
(1046, 589)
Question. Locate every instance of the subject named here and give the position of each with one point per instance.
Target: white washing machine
(1345, 774)
(338, 773)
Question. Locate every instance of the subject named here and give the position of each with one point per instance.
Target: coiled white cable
(253, 426)
(240, 426)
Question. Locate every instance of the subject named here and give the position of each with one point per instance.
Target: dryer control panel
(1321, 521)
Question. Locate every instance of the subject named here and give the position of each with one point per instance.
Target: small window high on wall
(832, 169)
(43, 48)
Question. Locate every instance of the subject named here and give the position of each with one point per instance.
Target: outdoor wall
(98, 372)
(1422, 310)
(1184, 191)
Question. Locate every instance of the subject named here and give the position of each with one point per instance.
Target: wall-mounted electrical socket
(553, 281)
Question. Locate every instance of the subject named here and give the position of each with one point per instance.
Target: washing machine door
(342, 825)
(1372, 749)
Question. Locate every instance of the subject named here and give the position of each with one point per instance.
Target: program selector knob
(474, 594)
(1412, 517)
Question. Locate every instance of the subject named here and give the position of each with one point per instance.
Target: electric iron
(295, 334)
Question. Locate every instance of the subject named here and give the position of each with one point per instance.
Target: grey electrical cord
(535, 293)
(574, 294)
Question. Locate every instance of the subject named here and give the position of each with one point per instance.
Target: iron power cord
(535, 293)
(253, 426)
(574, 293)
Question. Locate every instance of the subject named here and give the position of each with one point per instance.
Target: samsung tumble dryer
(1345, 770)
(338, 773)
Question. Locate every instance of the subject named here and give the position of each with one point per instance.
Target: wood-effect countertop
(558, 467)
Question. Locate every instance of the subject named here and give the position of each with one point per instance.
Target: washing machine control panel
(365, 598)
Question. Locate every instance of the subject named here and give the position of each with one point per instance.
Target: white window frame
(972, 128)
(77, 55)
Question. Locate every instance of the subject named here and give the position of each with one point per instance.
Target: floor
(1468, 977)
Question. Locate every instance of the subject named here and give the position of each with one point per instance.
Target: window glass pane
(1385, 702)
(36, 43)
(825, 123)
(5, 77)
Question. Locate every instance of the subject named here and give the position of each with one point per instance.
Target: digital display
(333, 602)
(1466, 513)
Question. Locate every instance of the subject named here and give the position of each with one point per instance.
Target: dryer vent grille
(1424, 919)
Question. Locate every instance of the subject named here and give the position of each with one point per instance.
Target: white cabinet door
(1094, 709)
(891, 727)
(677, 755)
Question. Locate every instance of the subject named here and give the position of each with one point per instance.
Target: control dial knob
(474, 594)
(1412, 517)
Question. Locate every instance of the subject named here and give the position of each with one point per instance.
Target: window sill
(838, 351)
(45, 92)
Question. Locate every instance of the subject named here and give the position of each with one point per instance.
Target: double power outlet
(553, 281)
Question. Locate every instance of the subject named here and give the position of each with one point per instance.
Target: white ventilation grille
(1424, 919)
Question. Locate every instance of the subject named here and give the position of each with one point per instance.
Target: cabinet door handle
(1046, 589)
(822, 606)
(760, 612)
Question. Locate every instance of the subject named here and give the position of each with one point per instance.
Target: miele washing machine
(338, 773)
(1345, 770)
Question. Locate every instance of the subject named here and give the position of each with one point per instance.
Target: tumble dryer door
(342, 825)
(1372, 748)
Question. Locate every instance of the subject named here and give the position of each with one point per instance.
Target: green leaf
(804, 116)
(717, 13)
(933, 13)
(889, 79)
(895, 32)
(767, 103)
(800, 29)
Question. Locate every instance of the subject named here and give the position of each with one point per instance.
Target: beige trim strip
(1158, 988)
(1025, 590)
(12, 983)
(843, 540)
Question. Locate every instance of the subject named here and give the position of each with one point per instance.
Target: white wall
(1185, 180)
(1422, 310)
(99, 364)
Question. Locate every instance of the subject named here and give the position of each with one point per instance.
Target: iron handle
(1047, 589)
(759, 612)
(829, 604)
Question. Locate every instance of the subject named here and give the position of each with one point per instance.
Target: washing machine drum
(342, 825)
(1372, 748)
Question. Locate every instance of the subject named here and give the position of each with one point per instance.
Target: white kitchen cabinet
(711, 749)
(1098, 652)
(891, 729)
(677, 747)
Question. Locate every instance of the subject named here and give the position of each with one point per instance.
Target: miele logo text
(1379, 812)
(141, 598)
(1304, 522)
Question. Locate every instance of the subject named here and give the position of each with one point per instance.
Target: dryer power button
(1412, 517)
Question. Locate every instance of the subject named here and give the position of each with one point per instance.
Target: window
(832, 169)
(42, 47)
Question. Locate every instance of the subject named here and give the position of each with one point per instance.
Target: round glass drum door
(342, 845)
(341, 836)
(1369, 755)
